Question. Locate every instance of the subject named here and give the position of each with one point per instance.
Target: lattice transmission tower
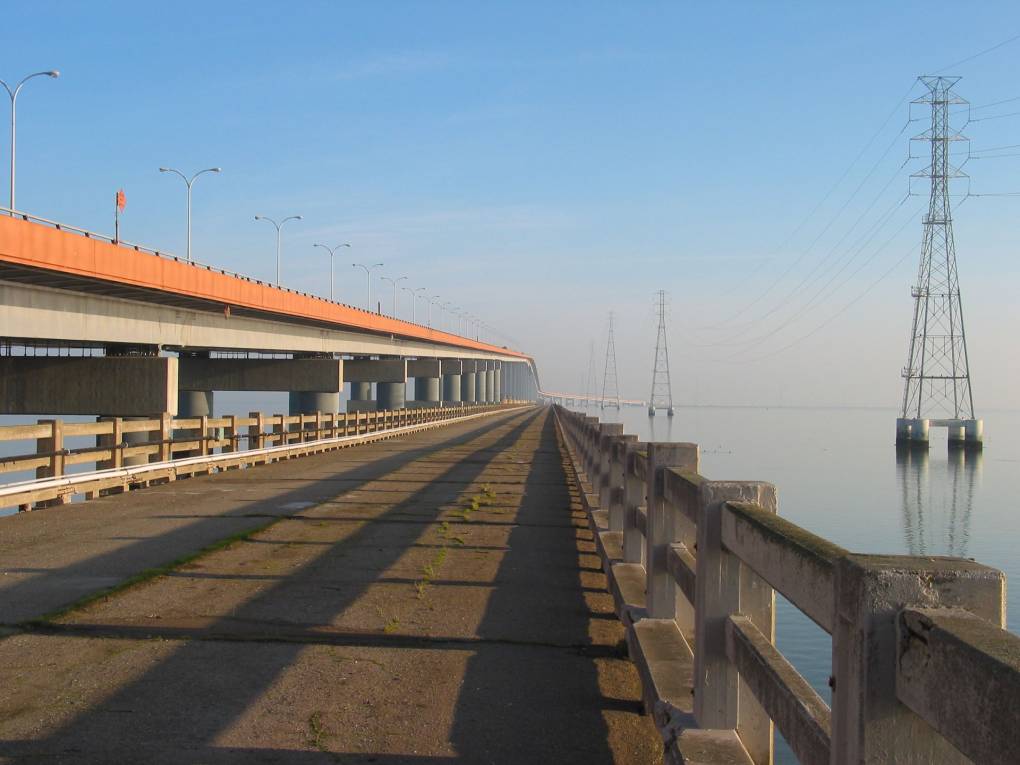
(610, 384)
(937, 375)
(661, 396)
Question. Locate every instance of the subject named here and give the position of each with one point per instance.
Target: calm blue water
(838, 476)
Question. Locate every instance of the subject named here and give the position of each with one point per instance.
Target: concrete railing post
(723, 587)
(633, 500)
(166, 437)
(230, 435)
(604, 454)
(869, 723)
(660, 590)
(256, 431)
(618, 480)
(53, 447)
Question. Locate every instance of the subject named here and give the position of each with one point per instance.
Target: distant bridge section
(568, 399)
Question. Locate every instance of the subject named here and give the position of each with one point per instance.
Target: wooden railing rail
(175, 442)
(923, 669)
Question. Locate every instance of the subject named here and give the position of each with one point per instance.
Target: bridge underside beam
(290, 375)
(111, 385)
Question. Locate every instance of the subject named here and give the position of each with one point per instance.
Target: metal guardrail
(121, 463)
(923, 669)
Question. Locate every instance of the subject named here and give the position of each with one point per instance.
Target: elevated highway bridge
(173, 331)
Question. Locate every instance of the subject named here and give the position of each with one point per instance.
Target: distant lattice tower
(610, 384)
(661, 396)
(936, 387)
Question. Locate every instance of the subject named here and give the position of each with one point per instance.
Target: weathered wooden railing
(923, 670)
(133, 452)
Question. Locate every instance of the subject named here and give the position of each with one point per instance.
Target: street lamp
(188, 182)
(394, 282)
(414, 296)
(331, 251)
(278, 227)
(431, 300)
(13, 93)
(368, 280)
(445, 307)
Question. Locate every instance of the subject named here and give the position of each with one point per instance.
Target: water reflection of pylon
(937, 500)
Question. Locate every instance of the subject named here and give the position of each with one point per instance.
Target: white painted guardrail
(923, 669)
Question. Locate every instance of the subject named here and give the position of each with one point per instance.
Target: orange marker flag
(121, 200)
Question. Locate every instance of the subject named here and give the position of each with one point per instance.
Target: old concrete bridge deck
(364, 612)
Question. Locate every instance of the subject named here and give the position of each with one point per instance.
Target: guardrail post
(869, 723)
(633, 499)
(203, 435)
(660, 590)
(279, 434)
(618, 480)
(724, 586)
(606, 433)
(257, 430)
(166, 437)
(230, 435)
(53, 447)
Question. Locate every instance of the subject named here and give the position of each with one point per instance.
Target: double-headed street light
(278, 236)
(13, 93)
(188, 182)
(368, 280)
(331, 251)
(431, 300)
(394, 282)
(414, 297)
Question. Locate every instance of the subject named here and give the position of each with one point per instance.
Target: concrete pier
(390, 395)
(468, 382)
(360, 617)
(451, 369)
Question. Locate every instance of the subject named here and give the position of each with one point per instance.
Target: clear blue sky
(541, 163)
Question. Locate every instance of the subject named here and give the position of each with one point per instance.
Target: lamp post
(188, 182)
(394, 282)
(445, 307)
(414, 298)
(431, 300)
(332, 252)
(278, 237)
(368, 280)
(13, 93)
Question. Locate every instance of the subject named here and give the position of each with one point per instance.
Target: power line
(747, 306)
(986, 51)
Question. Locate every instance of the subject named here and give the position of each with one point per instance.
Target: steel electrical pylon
(937, 375)
(610, 384)
(661, 396)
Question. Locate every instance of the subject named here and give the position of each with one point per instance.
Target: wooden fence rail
(923, 668)
(135, 452)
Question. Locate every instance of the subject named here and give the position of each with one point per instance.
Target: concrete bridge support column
(390, 395)
(451, 370)
(468, 382)
(426, 389)
(389, 376)
(310, 402)
(427, 374)
(495, 395)
(500, 394)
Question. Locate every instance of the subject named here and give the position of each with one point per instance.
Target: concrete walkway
(381, 619)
